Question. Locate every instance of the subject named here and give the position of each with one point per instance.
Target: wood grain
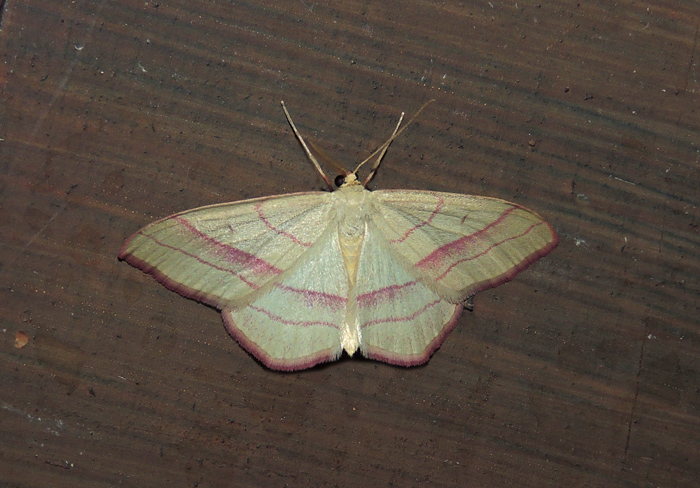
(583, 371)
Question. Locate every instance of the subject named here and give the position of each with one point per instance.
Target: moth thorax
(351, 246)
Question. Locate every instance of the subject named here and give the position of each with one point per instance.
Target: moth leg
(469, 303)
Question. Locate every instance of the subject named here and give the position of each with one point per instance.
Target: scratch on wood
(687, 73)
(636, 387)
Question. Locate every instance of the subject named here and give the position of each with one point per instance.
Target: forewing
(402, 321)
(297, 323)
(460, 244)
(224, 254)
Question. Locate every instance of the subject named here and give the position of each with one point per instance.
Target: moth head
(346, 180)
(350, 177)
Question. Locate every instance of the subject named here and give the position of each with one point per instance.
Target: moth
(299, 278)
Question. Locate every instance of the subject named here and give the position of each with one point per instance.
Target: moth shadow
(345, 359)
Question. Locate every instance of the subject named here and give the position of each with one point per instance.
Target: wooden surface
(582, 372)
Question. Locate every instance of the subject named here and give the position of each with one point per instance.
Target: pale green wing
(460, 244)
(226, 255)
(424, 253)
(401, 320)
(297, 323)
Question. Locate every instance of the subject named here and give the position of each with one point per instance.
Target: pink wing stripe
(486, 251)
(292, 237)
(373, 298)
(407, 318)
(314, 298)
(231, 254)
(300, 323)
(207, 263)
(435, 258)
(441, 203)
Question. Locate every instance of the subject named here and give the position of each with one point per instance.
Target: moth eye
(339, 180)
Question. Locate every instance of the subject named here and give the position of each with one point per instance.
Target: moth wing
(225, 255)
(460, 244)
(401, 319)
(296, 324)
(424, 253)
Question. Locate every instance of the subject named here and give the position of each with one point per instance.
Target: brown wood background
(582, 372)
